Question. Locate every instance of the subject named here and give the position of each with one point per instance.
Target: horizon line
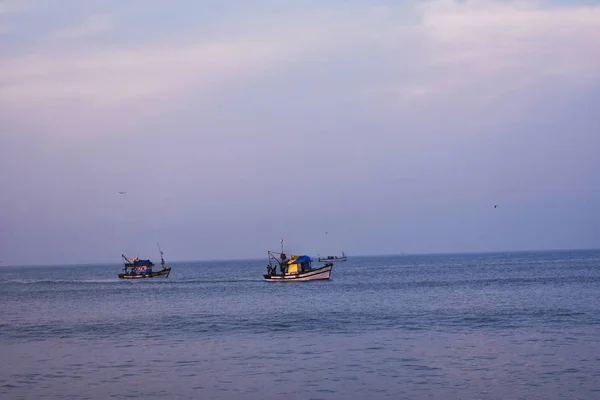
(402, 254)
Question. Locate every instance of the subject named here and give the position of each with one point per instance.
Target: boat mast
(128, 262)
(162, 260)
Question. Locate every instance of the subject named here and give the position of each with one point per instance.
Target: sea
(523, 325)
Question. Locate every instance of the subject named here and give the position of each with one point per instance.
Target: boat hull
(163, 273)
(319, 274)
(332, 259)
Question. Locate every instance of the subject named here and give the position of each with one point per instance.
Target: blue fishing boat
(141, 269)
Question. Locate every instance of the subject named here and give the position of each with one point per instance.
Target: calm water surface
(485, 326)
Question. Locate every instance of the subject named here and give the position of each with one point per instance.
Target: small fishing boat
(142, 269)
(333, 258)
(294, 269)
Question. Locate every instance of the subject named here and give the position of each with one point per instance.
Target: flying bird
(122, 192)
(495, 205)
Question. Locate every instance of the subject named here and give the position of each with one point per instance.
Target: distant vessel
(333, 258)
(141, 269)
(294, 269)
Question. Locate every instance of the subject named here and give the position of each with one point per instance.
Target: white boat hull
(318, 274)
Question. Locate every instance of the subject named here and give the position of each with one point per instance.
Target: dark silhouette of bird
(495, 205)
(122, 192)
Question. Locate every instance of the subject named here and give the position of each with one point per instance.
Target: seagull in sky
(122, 192)
(495, 205)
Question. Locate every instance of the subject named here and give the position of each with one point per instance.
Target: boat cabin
(139, 267)
(298, 264)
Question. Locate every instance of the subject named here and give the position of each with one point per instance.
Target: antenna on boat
(162, 260)
(281, 241)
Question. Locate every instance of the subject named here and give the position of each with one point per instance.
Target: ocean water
(475, 326)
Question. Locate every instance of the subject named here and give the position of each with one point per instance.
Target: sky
(393, 126)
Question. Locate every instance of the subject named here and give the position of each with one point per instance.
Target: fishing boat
(294, 269)
(333, 258)
(142, 269)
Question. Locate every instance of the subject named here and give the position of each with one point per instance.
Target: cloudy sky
(393, 126)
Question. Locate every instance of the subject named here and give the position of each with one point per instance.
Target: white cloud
(500, 48)
(8, 7)
(493, 35)
(110, 77)
(501, 45)
(106, 77)
(12, 6)
(91, 26)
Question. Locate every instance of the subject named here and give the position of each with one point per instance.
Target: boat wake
(57, 281)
